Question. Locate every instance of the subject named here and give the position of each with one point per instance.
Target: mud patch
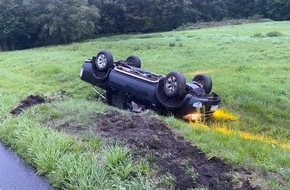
(188, 165)
(28, 102)
(32, 100)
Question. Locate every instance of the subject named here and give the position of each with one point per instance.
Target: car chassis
(127, 86)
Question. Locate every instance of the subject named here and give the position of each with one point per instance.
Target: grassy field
(250, 68)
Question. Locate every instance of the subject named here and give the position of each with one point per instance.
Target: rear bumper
(191, 104)
(211, 105)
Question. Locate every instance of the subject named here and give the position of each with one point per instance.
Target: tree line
(31, 23)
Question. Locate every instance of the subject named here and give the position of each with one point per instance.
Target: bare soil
(32, 100)
(190, 167)
(172, 154)
(28, 102)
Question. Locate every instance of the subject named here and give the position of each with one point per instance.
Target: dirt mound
(190, 167)
(28, 102)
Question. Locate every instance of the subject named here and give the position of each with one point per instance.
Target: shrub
(274, 34)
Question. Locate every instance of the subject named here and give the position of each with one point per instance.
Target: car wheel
(104, 60)
(174, 84)
(205, 81)
(134, 61)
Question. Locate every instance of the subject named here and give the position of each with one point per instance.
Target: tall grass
(75, 162)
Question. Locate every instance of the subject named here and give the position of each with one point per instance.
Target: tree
(29, 23)
(112, 15)
(14, 25)
(241, 8)
(278, 9)
(166, 14)
(218, 10)
(190, 12)
(63, 21)
(137, 16)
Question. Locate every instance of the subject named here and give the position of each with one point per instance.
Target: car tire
(104, 60)
(205, 81)
(134, 61)
(174, 84)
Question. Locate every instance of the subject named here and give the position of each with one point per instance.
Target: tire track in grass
(187, 164)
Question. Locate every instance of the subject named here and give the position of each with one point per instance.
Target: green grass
(249, 66)
(75, 162)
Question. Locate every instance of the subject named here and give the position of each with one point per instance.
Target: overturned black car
(128, 86)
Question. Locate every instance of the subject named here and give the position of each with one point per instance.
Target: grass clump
(118, 160)
(172, 44)
(258, 35)
(274, 34)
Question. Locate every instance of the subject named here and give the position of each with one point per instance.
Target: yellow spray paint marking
(224, 130)
(200, 72)
(222, 114)
(245, 135)
(273, 142)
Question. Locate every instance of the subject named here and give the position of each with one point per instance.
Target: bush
(274, 34)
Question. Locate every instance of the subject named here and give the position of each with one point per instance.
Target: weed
(258, 35)
(167, 181)
(189, 169)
